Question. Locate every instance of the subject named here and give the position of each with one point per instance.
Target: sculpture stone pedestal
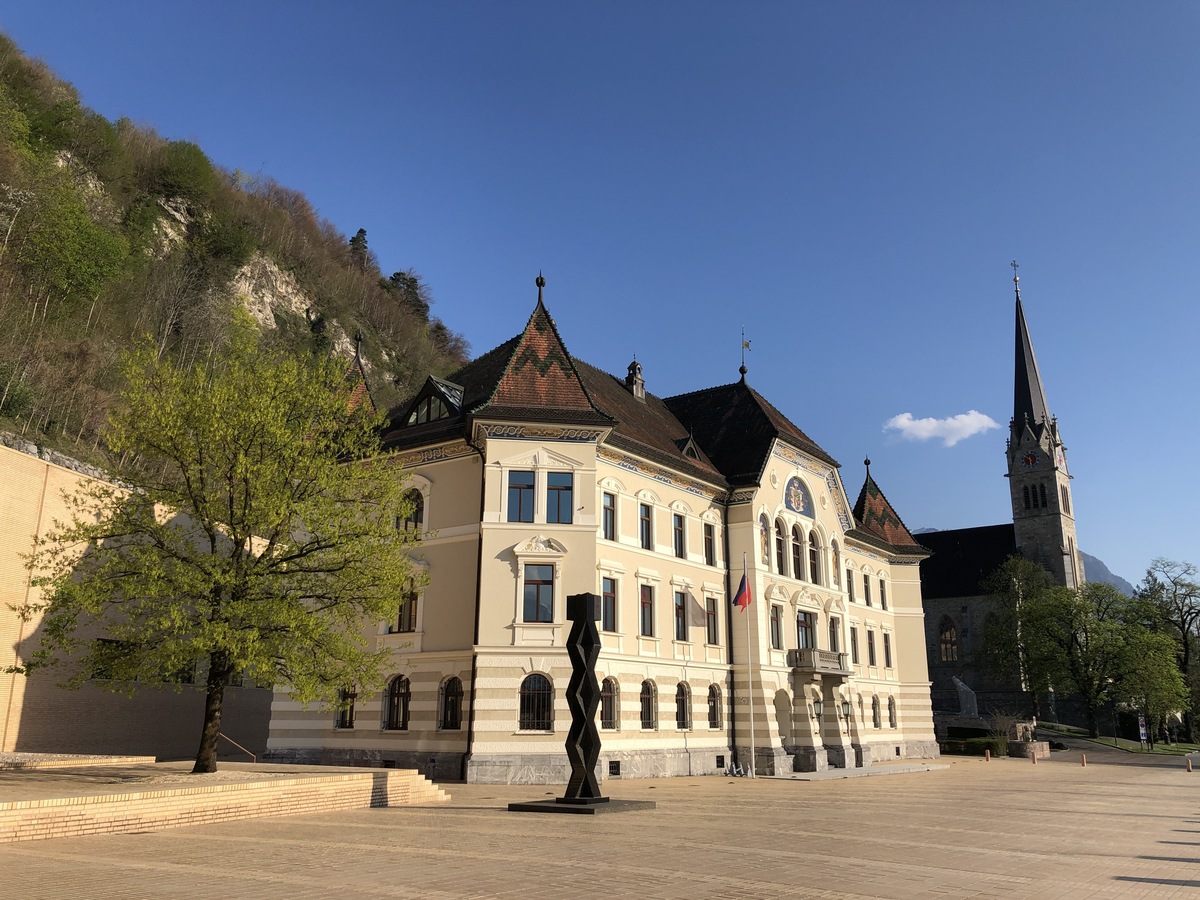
(582, 796)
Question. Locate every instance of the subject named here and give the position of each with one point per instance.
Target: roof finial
(745, 346)
(867, 463)
(541, 283)
(1016, 278)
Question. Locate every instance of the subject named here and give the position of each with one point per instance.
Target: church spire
(1029, 398)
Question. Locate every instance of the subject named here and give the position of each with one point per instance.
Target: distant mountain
(1096, 570)
(923, 530)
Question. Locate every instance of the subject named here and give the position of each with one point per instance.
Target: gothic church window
(947, 640)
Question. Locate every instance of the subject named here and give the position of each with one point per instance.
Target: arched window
(1025, 495)
(714, 706)
(891, 712)
(780, 549)
(797, 553)
(395, 704)
(814, 558)
(345, 713)
(609, 694)
(649, 704)
(414, 517)
(875, 719)
(450, 703)
(537, 704)
(947, 640)
(683, 707)
(1066, 499)
(1042, 494)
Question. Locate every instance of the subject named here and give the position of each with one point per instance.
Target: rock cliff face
(266, 291)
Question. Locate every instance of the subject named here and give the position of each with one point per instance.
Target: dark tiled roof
(875, 514)
(645, 427)
(735, 425)
(539, 381)
(963, 558)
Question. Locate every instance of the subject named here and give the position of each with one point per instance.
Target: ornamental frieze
(661, 475)
(433, 454)
(824, 472)
(537, 432)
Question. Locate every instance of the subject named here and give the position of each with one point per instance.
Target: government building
(537, 476)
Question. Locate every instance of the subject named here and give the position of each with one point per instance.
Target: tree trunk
(1092, 725)
(219, 671)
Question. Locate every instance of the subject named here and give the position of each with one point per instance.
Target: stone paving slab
(1004, 828)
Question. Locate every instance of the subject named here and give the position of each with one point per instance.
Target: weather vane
(745, 345)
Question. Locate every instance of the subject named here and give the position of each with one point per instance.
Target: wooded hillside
(109, 232)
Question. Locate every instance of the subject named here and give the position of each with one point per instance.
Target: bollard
(1033, 757)
(1189, 764)
(1083, 760)
(987, 757)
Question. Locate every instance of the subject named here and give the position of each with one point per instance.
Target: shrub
(975, 746)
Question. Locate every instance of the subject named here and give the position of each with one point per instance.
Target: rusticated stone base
(809, 759)
(551, 768)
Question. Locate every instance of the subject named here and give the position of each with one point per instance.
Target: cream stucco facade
(541, 477)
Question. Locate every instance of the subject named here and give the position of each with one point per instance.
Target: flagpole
(749, 666)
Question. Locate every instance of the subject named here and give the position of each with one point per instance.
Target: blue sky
(847, 181)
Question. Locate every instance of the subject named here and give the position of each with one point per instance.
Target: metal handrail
(253, 758)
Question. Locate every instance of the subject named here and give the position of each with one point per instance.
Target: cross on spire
(1016, 278)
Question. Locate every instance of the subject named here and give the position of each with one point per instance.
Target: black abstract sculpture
(583, 739)
(583, 697)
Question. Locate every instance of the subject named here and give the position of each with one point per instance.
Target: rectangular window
(677, 532)
(711, 627)
(560, 492)
(882, 594)
(408, 614)
(681, 625)
(854, 645)
(887, 650)
(871, 648)
(520, 496)
(850, 585)
(646, 526)
(866, 589)
(776, 627)
(710, 545)
(835, 634)
(806, 631)
(608, 516)
(608, 604)
(646, 611)
(539, 593)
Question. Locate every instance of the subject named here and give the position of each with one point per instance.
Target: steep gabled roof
(539, 381)
(1029, 397)
(962, 558)
(735, 425)
(360, 390)
(875, 515)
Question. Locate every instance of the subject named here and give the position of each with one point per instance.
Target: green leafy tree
(1149, 680)
(254, 533)
(1172, 587)
(1009, 653)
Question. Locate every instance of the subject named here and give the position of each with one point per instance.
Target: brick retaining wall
(174, 807)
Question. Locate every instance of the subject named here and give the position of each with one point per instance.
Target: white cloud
(951, 430)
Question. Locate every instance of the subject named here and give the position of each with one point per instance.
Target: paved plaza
(1124, 826)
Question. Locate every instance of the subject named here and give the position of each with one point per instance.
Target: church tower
(1037, 470)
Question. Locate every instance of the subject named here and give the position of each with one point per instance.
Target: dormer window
(428, 410)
